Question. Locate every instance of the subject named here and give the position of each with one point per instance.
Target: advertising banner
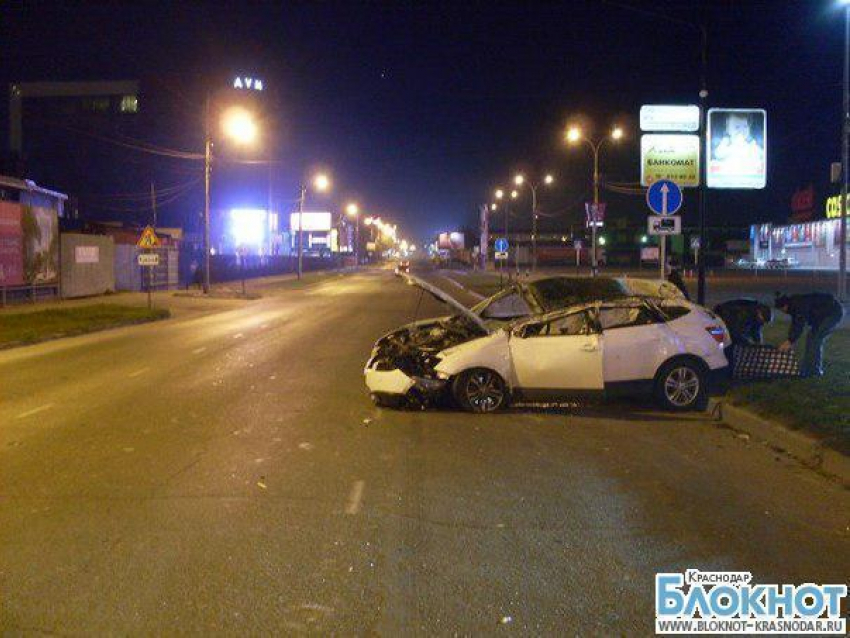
(671, 157)
(311, 221)
(669, 117)
(11, 245)
(451, 241)
(86, 254)
(737, 148)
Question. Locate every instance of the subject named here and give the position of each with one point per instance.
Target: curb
(810, 452)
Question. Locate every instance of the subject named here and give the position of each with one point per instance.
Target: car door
(633, 341)
(559, 353)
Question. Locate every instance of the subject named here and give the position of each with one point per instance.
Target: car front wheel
(681, 385)
(480, 390)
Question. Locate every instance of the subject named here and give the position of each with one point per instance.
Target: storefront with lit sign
(810, 245)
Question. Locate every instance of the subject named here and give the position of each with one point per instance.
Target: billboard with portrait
(40, 228)
(29, 245)
(737, 148)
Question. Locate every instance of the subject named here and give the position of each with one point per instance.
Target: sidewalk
(181, 301)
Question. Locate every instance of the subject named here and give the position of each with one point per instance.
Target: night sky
(420, 109)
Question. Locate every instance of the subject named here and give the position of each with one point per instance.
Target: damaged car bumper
(395, 385)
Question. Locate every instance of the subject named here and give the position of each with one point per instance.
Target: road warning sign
(148, 238)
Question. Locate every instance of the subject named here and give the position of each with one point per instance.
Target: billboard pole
(845, 159)
(703, 98)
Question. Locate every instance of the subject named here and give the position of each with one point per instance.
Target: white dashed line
(355, 497)
(138, 372)
(40, 408)
(199, 350)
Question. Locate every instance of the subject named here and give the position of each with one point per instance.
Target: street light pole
(845, 160)
(574, 134)
(207, 170)
(533, 227)
(594, 267)
(357, 241)
(301, 198)
(703, 169)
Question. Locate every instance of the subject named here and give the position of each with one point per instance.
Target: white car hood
(446, 298)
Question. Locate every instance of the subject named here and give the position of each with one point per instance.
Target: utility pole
(845, 160)
(150, 268)
(153, 203)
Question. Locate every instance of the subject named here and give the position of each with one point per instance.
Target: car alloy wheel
(481, 390)
(682, 386)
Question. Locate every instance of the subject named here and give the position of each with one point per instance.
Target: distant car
(781, 263)
(402, 267)
(669, 348)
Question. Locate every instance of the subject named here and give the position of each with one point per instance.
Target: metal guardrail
(30, 292)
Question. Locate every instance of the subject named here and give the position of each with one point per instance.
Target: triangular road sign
(148, 238)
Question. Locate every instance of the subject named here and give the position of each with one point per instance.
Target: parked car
(669, 348)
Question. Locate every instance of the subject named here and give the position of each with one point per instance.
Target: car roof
(631, 301)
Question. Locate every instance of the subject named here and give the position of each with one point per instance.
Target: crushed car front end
(401, 369)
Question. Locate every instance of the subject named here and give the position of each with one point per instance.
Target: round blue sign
(664, 197)
(501, 245)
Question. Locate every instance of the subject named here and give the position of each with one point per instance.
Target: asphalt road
(225, 473)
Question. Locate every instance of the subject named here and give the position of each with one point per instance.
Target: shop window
(129, 104)
(96, 104)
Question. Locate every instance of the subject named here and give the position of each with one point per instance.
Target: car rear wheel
(681, 385)
(480, 390)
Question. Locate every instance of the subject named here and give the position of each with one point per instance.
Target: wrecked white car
(669, 348)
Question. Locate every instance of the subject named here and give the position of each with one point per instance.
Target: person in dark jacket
(674, 276)
(745, 319)
(822, 313)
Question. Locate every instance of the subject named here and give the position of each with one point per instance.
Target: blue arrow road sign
(502, 245)
(664, 197)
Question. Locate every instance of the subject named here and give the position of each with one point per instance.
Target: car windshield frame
(534, 289)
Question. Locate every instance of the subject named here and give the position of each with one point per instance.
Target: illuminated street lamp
(353, 210)
(321, 183)
(237, 124)
(548, 180)
(499, 193)
(573, 136)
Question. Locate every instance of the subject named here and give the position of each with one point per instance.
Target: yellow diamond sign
(148, 238)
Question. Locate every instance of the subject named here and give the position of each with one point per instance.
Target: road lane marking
(199, 350)
(40, 408)
(138, 372)
(355, 497)
(238, 335)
